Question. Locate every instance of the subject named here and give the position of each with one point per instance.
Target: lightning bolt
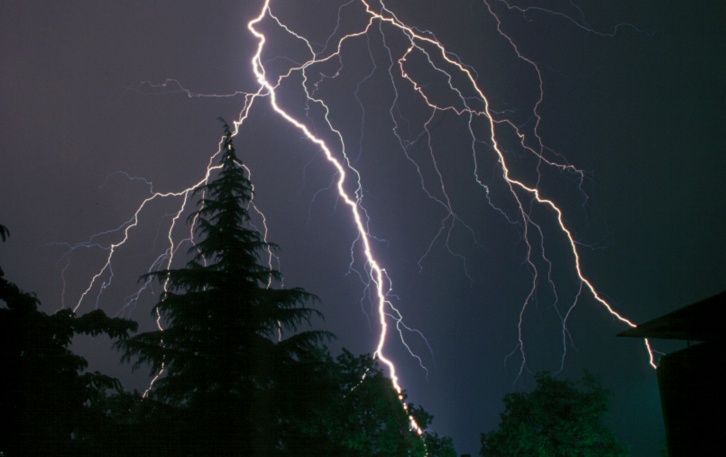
(471, 104)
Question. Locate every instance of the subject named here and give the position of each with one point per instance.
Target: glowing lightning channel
(134, 222)
(440, 59)
(170, 252)
(416, 37)
(376, 270)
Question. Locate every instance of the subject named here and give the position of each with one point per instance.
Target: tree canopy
(559, 418)
(48, 401)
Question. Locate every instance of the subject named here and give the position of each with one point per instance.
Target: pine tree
(221, 351)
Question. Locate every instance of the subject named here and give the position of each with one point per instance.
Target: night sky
(639, 111)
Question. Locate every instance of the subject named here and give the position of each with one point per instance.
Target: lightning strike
(472, 105)
(376, 270)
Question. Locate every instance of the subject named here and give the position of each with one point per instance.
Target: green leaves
(558, 418)
(47, 399)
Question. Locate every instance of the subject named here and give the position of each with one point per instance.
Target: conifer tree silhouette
(228, 334)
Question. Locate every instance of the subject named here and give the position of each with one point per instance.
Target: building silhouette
(690, 380)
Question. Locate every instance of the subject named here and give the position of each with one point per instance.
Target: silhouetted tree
(558, 418)
(440, 446)
(355, 412)
(229, 336)
(370, 418)
(49, 403)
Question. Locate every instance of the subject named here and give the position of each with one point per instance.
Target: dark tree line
(243, 372)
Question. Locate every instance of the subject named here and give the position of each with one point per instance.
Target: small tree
(558, 418)
(220, 349)
(355, 412)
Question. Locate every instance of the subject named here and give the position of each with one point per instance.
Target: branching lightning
(471, 104)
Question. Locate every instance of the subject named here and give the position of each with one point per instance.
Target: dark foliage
(49, 404)
(558, 418)
(352, 410)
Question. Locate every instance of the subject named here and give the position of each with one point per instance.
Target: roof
(701, 321)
